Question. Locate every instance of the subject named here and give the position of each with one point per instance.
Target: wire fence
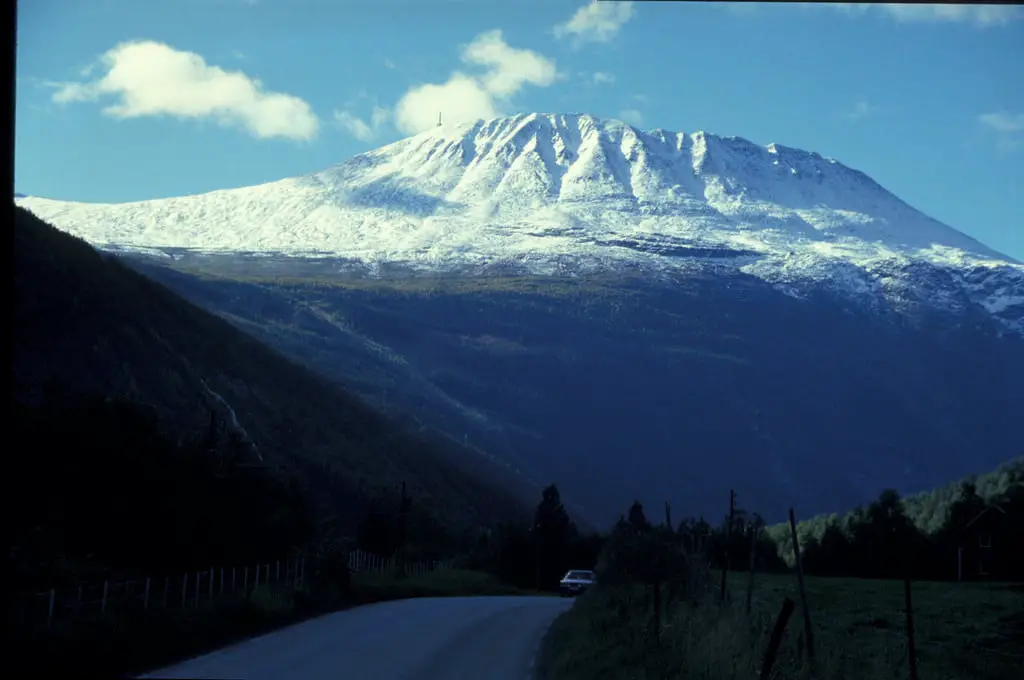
(191, 590)
(360, 561)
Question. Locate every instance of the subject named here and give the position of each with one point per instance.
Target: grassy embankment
(962, 631)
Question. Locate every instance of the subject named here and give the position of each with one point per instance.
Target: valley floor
(963, 631)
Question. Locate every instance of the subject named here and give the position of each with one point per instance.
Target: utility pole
(438, 119)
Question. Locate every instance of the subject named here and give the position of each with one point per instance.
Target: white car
(576, 581)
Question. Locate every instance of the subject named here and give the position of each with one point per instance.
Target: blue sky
(122, 100)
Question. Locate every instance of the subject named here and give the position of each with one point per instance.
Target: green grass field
(963, 632)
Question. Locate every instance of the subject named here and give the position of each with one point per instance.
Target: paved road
(442, 638)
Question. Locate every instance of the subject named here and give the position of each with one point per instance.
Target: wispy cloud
(740, 8)
(1008, 128)
(148, 78)
(363, 130)
(596, 22)
(979, 15)
(465, 97)
(861, 109)
(1003, 121)
(602, 78)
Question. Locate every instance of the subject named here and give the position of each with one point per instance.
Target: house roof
(982, 514)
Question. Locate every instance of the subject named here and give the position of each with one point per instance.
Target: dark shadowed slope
(87, 325)
(629, 387)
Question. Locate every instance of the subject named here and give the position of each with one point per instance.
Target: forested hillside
(151, 433)
(916, 533)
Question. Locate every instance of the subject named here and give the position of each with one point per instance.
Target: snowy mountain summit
(565, 194)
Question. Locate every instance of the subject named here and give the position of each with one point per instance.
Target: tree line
(882, 541)
(879, 541)
(103, 486)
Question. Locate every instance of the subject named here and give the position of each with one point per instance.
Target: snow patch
(535, 191)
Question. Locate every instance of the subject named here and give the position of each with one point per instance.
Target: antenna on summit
(438, 119)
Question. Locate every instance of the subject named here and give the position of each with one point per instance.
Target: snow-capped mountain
(546, 193)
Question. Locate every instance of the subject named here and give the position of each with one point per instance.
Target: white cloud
(149, 78)
(1009, 128)
(390, 64)
(979, 15)
(461, 98)
(595, 22)
(509, 68)
(632, 116)
(464, 97)
(360, 129)
(602, 78)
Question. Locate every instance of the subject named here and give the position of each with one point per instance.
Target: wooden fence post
(233, 581)
(49, 614)
(277, 577)
(245, 582)
(776, 638)
(302, 572)
(728, 536)
(808, 631)
(197, 588)
(103, 602)
(184, 590)
(211, 582)
(911, 647)
(754, 530)
(222, 580)
(256, 581)
(145, 597)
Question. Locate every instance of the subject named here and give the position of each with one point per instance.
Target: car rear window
(580, 574)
